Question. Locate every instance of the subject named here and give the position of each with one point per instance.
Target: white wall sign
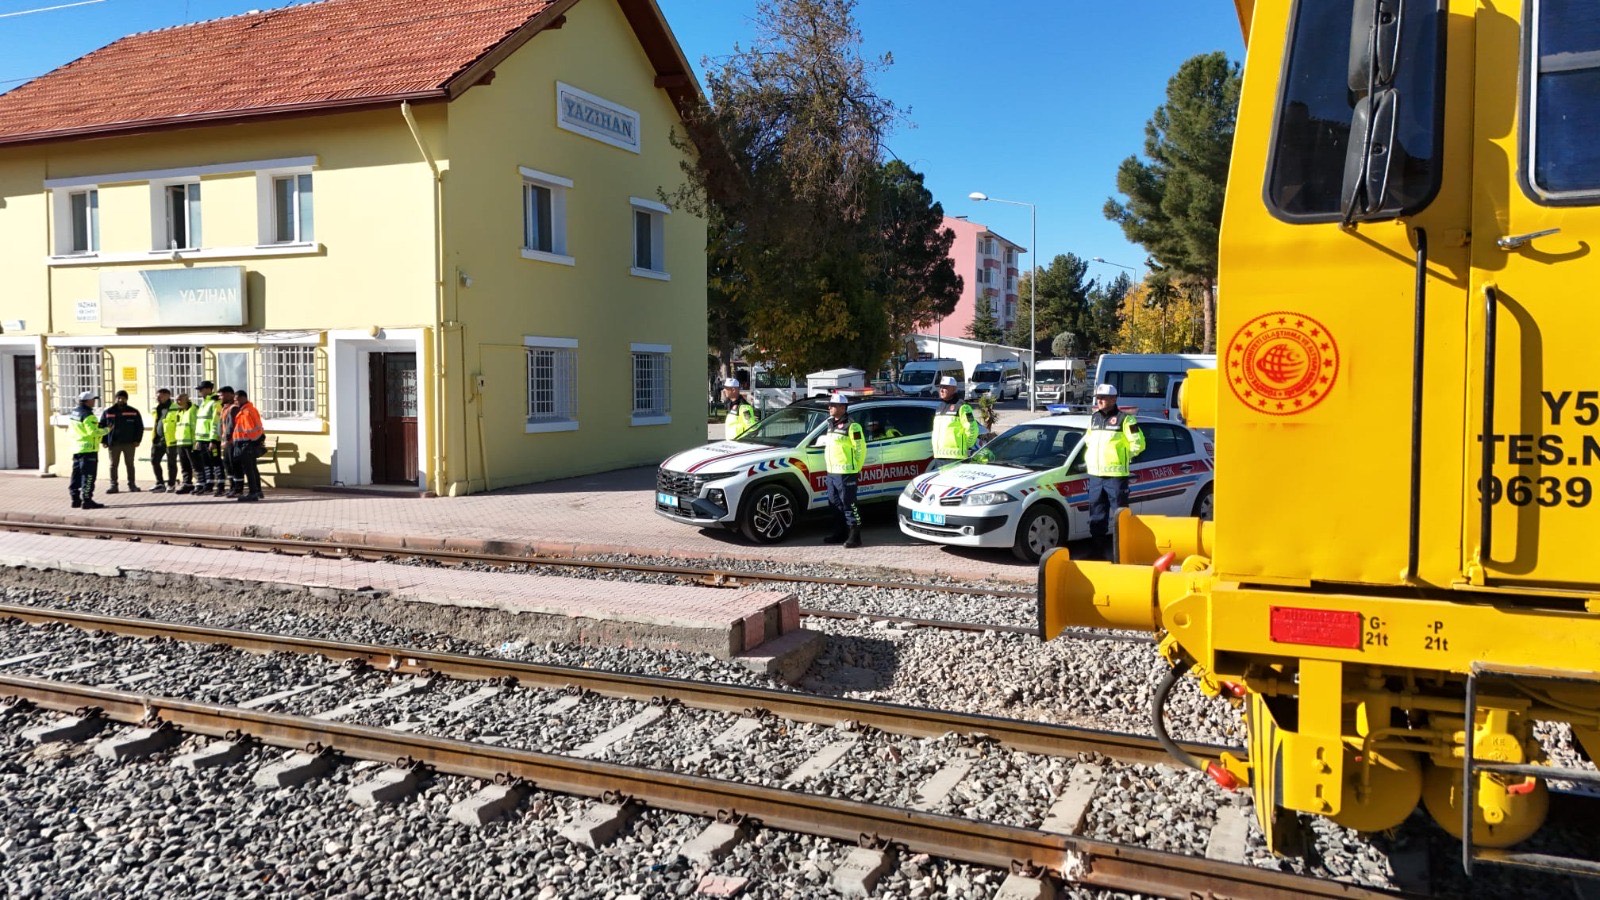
(88, 310)
(165, 298)
(581, 112)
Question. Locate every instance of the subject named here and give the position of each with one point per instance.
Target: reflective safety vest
(247, 423)
(741, 418)
(1114, 439)
(955, 431)
(845, 447)
(86, 430)
(179, 426)
(206, 425)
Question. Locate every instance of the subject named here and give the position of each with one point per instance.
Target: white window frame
(657, 213)
(563, 389)
(267, 206)
(661, 413)
(558, 187)
(162, 370)
(65, 223)
(270, 398)
(161, 238)
(76, 369)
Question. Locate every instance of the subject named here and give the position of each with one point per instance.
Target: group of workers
(214, 443)
(1110, 445)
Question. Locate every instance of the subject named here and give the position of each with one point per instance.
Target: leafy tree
(913, 274)
(984, 326)
(1017, 335)
(1174, 207)
(1064, 345)
(1104, 315)
(787, 153)
(1063, 296)
(1157, 317)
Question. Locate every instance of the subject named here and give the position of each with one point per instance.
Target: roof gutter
(234, 115)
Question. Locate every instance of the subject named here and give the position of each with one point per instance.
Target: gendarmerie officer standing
(86, 431)
(741, 415)
(845, 450)
(1114, 439)
(955, 426)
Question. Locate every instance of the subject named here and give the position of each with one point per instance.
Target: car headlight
(987, 498)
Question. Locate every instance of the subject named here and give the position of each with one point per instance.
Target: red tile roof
(318, 55)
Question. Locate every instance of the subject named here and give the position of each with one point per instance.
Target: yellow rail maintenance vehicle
(1400, 580)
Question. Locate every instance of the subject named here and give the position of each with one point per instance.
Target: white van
(1148, 383)
(920, 378)
(770, 390)
(1060, 381)
(999, 378)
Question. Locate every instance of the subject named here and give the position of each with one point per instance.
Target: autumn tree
(1158, 317)
(1174, 206)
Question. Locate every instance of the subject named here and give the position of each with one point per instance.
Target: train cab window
(1564, 125)
(1323, 85)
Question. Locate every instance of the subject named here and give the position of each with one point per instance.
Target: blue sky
(1032, 100)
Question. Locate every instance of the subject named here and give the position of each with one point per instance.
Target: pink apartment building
(987, 264)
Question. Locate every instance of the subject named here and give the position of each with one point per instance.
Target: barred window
(77, 369)
(652, 382)
(178, 369)
(552, 383)
(288, 382)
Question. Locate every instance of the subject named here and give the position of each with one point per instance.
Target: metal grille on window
(652, 384)
(77, 369)
(552, 385)
(288, 382)
(178, 369)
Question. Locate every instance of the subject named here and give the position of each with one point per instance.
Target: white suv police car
(1029, 488)
(765, 481)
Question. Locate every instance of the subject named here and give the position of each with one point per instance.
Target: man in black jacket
(124, 431)
(159, 453)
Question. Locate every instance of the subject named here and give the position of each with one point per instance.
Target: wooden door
(393, 401)
(25, 404)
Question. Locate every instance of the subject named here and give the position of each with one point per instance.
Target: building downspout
(439, 454)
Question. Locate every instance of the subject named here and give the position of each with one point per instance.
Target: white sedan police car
(1028, 489)
(766, 480)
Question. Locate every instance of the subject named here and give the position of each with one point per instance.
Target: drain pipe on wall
(439, 455)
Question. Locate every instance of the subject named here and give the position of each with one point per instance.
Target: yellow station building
(432, 238)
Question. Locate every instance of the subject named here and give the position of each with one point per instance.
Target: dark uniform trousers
(842, 498)
(160, 453)
(243, 465)
(85, 466)
(1108, 496)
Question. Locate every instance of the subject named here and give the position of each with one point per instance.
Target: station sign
(172, 298)
(595, 117)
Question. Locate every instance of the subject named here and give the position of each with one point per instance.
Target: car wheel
(1203, 504)
(770, 514)
(1042, 529)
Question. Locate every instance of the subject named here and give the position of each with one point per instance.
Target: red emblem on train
(1281, 363)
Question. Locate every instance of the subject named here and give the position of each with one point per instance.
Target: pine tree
(984, 326)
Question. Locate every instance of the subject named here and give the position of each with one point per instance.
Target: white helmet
(949, 381)
(839, 399)
(1105, 390)
(732, 383)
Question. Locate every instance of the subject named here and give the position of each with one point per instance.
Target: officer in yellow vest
(741, 415)
(845, 450)
(1114, 439)
(207, 430)
(84, 426)
(955, 426)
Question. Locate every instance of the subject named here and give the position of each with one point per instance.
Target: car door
(1160, 487)
(899, 447)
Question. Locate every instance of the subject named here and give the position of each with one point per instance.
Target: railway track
(1071, 858)
(698, 575)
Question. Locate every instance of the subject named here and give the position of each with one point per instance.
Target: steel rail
(1031, 737)
(712, 576)
(1086, 861)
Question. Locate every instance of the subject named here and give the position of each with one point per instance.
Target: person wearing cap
(1109, 447)
(845, 450)
(124, 427)
(230, 467)
(955, 426)
(178, 428)
(87, 433)
(207, 428)
(741, 415)
(248, 438)
(160, 451)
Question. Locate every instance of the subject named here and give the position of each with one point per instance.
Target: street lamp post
(1033, 290)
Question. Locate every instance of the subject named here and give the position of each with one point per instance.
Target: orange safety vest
(247, 424)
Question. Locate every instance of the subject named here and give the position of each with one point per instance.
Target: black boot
(854, 539)
(75, 501)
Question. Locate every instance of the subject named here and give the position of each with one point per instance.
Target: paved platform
(722, 622)
(609, 513)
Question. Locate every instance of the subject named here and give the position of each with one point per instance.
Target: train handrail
(1491, 309)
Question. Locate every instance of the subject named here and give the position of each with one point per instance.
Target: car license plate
(929, 518)
(666, 500)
